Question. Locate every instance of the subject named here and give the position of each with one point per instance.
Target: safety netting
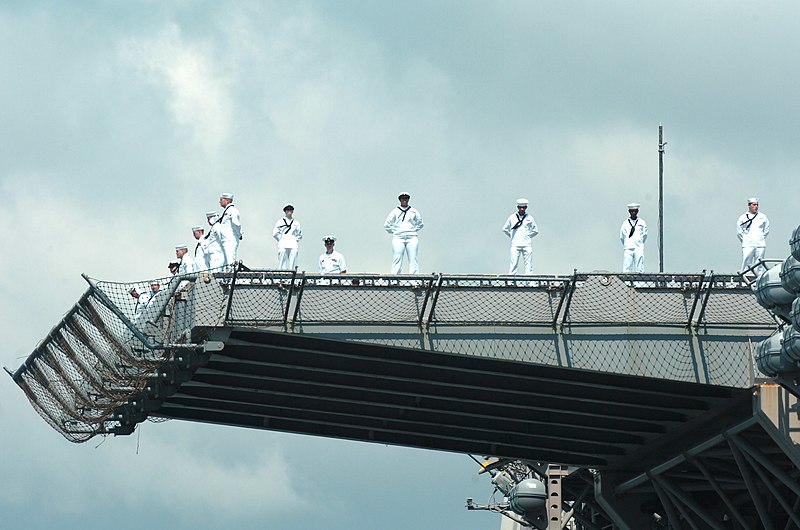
(110, 345)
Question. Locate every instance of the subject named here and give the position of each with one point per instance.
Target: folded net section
(663, 357)
(729, 302)
(503, 301)
(165, 310)
(362, 299)
(110, 344)
(671, 354)
(730, 360)
(259, 298)
(538, 348)
(86, 367)
(633, 299)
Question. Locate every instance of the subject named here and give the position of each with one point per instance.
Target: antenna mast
(661, 144)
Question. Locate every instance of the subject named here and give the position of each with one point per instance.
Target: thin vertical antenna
(661, 144)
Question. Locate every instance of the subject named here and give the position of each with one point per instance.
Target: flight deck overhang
(583, 368)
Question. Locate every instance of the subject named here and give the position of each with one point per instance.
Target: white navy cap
(404, 194)
(328, 238)
(197, 228)
(288, 207)
(522, 202)
(181, 247)
(211, 214)
(226, 196)
(753, 200)
(132, 290)
(155, 282)
(633, 206)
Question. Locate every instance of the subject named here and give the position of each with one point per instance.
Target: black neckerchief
(219, 219)
(519, 221)
(404, 212)
(288, 226)
(746, 225)
(633, 226)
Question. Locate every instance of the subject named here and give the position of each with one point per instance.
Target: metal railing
(693, 302)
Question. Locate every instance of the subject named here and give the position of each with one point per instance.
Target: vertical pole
(661, 145)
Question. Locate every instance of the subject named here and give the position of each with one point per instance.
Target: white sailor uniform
(230, 233)
(332, 263)
(202, 255)
(521, 229)
(213, 242)
(632, 235)
(403, 224)
(287, 233)
(752, 230)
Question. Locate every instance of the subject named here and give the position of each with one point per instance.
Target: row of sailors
(330, 262)
(219, 247)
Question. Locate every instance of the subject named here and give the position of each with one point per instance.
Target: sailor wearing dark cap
(230, 228)
(403, 222)
(331, 261)
(288, 234)
(752, 229)
(213, 241)
(632, 235)
(521, 228)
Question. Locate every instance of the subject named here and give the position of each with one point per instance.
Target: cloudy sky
(121, 123)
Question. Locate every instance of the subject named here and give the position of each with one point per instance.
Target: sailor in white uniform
(331, 261)
(185, 263)
(521, 228)
(288, 234)
(403, 222)
(140, 302)
(752, 229)
(230, 228)
(632, 235)
(145, 298)
(213, 242)
(201, 257)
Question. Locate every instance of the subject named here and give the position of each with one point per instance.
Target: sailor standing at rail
(521, 228)
(632, 235)
(140, 301)
(331, 261)
(213, 242)
(288, 234)
(185, 263)
(145, 298)
(201, 256)
(403, 222)
(752, 229)
(230, 228)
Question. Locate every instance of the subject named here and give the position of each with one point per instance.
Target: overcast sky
(121, 123)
